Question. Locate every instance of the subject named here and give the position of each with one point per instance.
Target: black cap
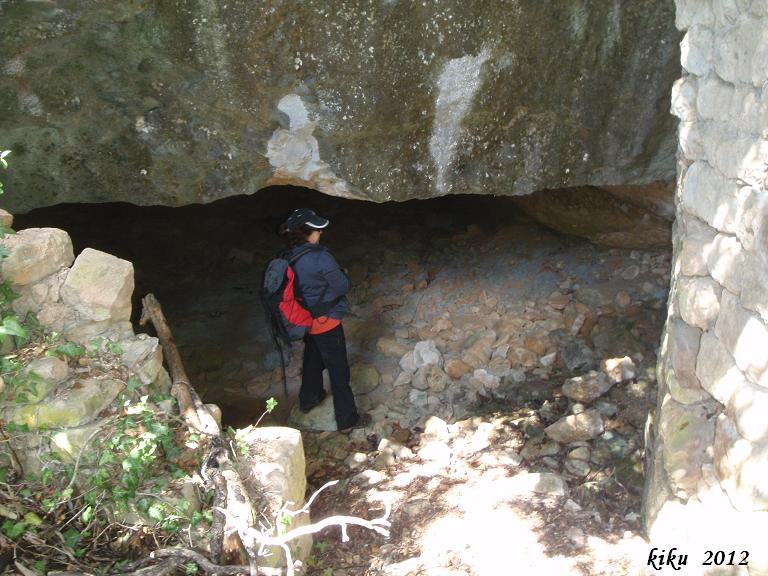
(306, 216)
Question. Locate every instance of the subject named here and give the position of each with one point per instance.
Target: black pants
(328, 350)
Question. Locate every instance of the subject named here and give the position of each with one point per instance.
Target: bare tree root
(227, 542)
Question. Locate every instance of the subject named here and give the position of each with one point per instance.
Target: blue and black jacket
(323, 285)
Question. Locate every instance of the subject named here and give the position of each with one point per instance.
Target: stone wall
(708, 444)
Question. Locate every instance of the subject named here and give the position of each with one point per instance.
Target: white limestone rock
(704, 192)
(588, 387)
(717, 370)
(715, 99)
(754, 285)
(684, 98)
(680, 349)
(696, 52)
(688, 433)
(576, 427)
(544, 483)
(426, 353)
(741, 50)
(693, 12)
(699, 301)
(748, 408)
(144, 356)
(99, 286)
(742, 466)
(275, 467)
(725, 262)
(35, 253)
(619, 369)
(695, 246)
(745, 336)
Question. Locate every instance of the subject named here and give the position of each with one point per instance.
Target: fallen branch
(185, 555)
(162, 569)
(226, 543)
(191, 407)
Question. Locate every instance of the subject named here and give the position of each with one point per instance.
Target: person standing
(322, 286)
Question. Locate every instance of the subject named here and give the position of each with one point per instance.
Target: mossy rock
(79, 404)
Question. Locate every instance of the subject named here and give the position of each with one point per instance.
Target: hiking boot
(363, 421)
(306, 409)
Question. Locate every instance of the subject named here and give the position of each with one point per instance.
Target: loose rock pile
(85, 300)
(436, 343)
(560, 356)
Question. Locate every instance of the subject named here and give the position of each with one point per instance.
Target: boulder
(320, 419)
(543, 483)
(430, 377)
(78, 405)
(576, 427)
(426, 353)
(363, 378)
(588, 387)
(99, 287)
(391, 347)
(741, 466)
(456, 368)
(144, 356)
(35, 253)
(577, 355)
(619, 369)
(275, 467)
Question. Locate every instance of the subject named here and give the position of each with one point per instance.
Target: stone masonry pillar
(707, 444)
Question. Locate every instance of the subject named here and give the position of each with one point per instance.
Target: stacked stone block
(708, 454)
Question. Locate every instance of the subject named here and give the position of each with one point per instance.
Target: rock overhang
(192, 102)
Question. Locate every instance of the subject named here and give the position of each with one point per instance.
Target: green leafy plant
(4, 163)
(270, 406)
(67, 349)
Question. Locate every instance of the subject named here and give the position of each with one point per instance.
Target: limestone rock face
(376, 100)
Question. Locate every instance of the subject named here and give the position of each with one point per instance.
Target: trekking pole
(283, 367)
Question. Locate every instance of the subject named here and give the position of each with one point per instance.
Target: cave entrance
(514, 308)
